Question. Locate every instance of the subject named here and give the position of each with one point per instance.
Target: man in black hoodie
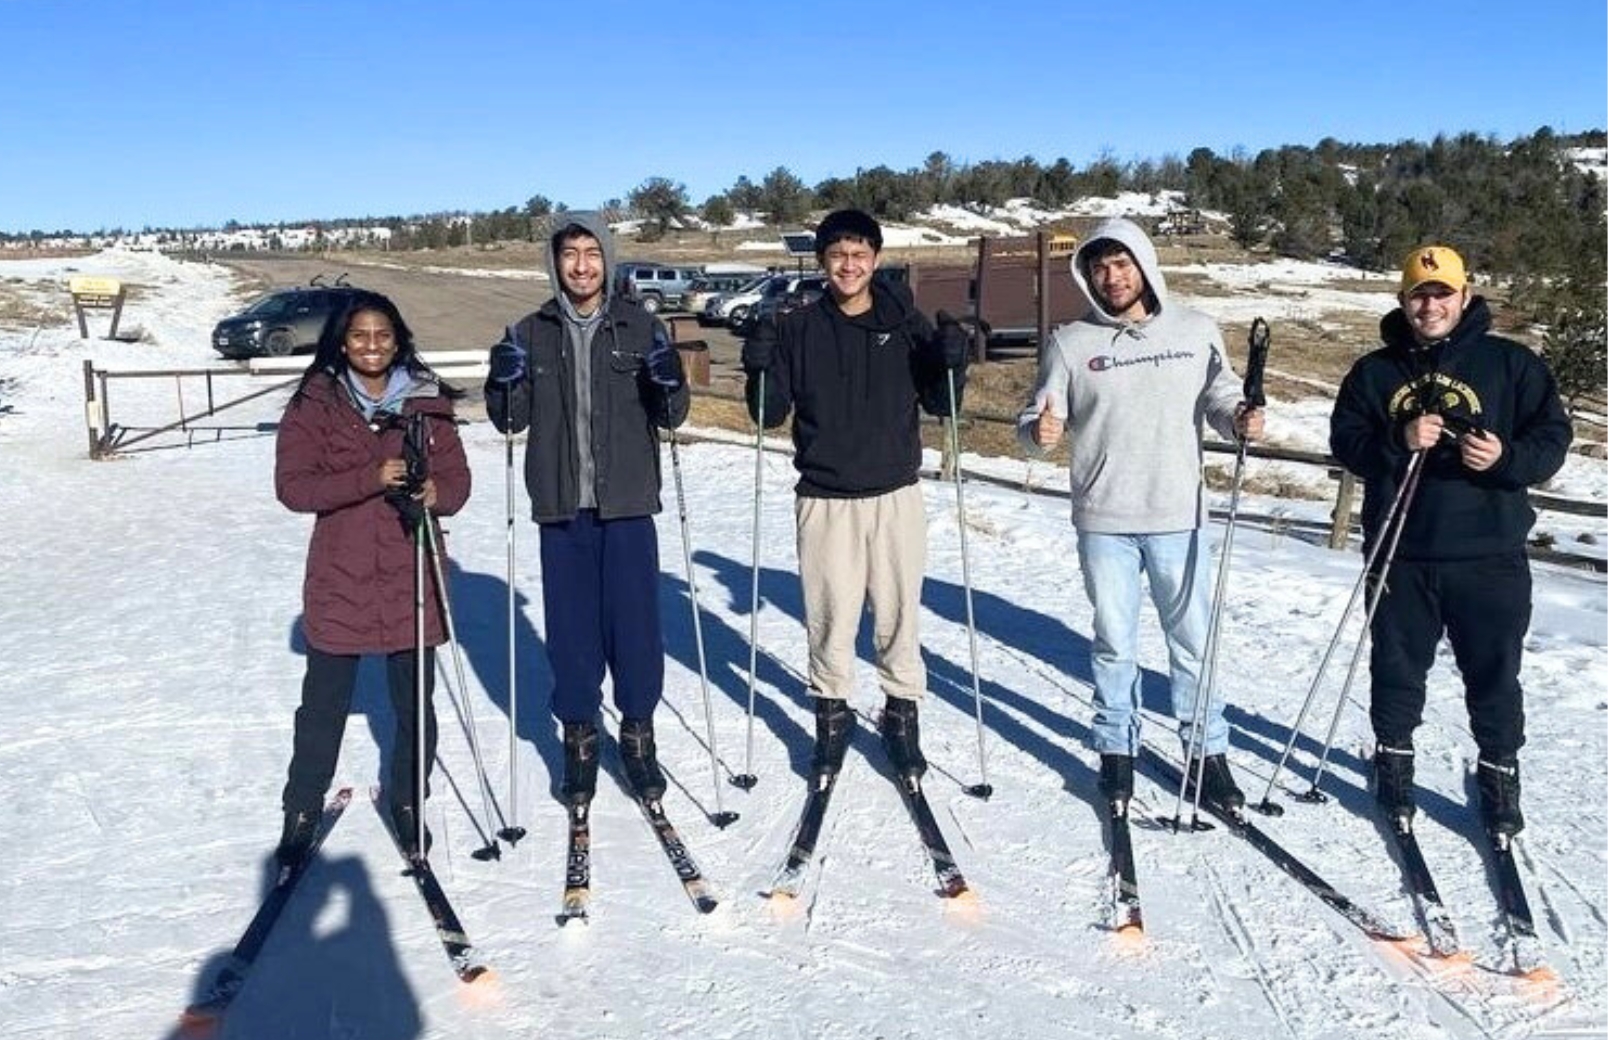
(1485, 413)
(852, 369)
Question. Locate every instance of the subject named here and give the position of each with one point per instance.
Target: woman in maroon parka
(340, 456)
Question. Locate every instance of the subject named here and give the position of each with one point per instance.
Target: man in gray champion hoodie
(1134, 379)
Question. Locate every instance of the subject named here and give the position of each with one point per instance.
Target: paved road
(461, 311)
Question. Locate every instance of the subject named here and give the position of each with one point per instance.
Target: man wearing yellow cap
(1485, 414)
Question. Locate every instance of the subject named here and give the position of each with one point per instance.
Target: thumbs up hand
(1047, 432)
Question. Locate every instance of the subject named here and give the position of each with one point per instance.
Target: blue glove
(954, 343)
(507, 361)
(664, 363)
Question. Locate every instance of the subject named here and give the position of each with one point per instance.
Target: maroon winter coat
(358, 594)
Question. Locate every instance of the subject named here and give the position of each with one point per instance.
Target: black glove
(664, 363)
(507, 361)
(759, 349)
(416, 454)
(954, 343)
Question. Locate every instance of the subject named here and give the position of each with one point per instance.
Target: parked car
(732, 308)
(281, 322)
(782, 293)
(708, 286)
(657, 287)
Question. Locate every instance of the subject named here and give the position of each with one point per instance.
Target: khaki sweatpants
(849, 549)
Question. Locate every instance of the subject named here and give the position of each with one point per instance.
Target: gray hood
(1138, 243)
(593, 224)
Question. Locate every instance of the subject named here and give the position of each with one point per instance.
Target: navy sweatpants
(600, 591)
(1482, 606)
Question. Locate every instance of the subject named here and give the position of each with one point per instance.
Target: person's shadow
(480, 616)
(726, 651)
(313, 983)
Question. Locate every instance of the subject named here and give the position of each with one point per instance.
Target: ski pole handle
(1256, 364)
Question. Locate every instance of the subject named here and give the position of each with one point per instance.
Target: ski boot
(580, 763)
(296, 838)
(1219, 789)
(1498, 781)
(834, 725)
(1393, 784)
(641, 760)
(901, 735)
(1116, 782)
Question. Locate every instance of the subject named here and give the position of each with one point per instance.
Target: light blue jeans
(1177, 566)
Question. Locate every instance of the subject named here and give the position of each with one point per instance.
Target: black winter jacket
(626, 408)
(853, 385)
(1477, 379)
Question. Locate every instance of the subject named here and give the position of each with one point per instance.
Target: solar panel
(799, 243)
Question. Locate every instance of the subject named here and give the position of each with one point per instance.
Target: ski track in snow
(152, 669)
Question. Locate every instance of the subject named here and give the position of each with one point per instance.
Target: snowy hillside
(152, 666)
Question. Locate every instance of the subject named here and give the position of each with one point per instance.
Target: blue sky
(162, 113)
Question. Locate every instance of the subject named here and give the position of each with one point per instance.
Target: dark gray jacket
(626, 406)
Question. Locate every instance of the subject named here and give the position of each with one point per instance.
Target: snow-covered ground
(151, 668)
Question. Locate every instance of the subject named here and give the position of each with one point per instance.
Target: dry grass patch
(20, 306)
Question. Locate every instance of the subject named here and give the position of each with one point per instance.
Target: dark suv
(282, 322)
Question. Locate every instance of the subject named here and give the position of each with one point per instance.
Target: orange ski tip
(964, 905)
(1129, 940)
(1543, 978)
(482, 991)
(198, 1025)
(784, 906)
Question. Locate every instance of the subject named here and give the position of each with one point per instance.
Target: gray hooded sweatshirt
(1134, 395)
(580, 329)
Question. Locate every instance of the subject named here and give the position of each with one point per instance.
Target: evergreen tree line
(1521, 210)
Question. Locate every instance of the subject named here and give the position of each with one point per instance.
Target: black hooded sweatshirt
(1477, 380)
(853, 385)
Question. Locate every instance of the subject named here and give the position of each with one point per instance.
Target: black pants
(1483, 608)
(321, 722)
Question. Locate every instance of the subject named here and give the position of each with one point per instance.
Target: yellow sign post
(99, 294)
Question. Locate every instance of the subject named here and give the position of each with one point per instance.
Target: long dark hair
(330, 357)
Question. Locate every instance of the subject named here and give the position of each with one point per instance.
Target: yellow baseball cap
(1433, 264)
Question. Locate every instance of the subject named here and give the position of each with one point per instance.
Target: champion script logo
(1105, 362)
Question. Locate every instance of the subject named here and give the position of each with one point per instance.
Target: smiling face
(1433, 310)
(1117, 280)
(370, 345)
(849, 264)
(580, 270)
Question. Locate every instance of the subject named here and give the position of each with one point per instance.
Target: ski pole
(1267, 806)
(512, 832)
(747, 780)
(490, 849)
(1312, 794)
(419, 708)
(1254, 397)
(721, 818)
(982, 789)
(1197, 714)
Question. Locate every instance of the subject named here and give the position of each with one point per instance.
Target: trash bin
(695, 361)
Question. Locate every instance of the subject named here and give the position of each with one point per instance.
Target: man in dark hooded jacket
(852, 369)
(593, 377)
(1485, 414)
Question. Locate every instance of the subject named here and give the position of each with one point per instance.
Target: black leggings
(1483, 608)
(321, 723)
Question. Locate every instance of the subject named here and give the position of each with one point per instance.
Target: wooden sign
(99, 293)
